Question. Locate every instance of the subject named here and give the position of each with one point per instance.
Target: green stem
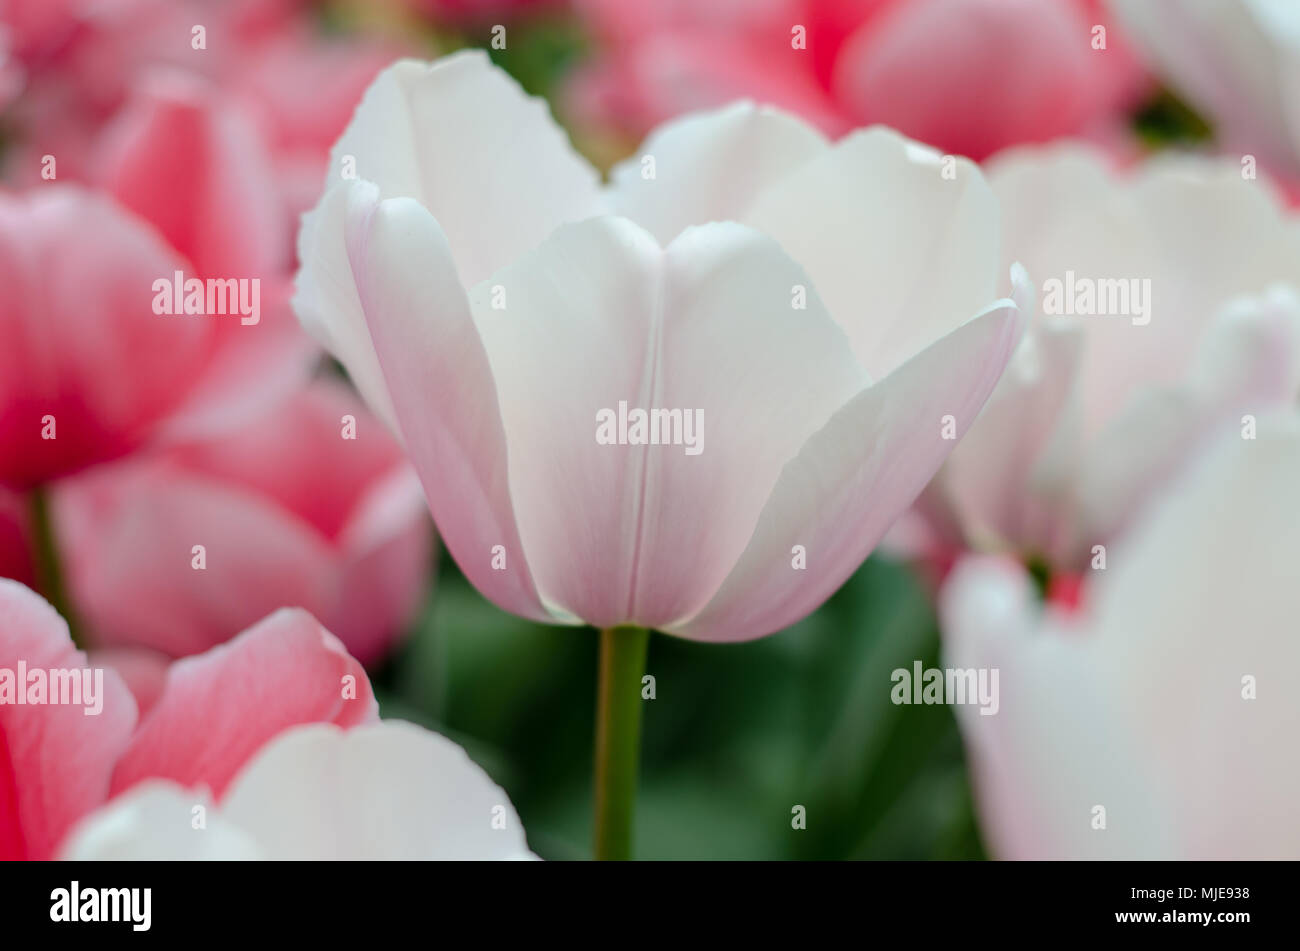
(618, 738)
(49, 572)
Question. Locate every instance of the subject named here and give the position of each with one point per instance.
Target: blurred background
(737, 735)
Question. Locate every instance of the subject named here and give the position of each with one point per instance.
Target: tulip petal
(312, 505)
(193, 166)
(446, 401)
(387, 791)
(488, 161)
(1012, 71)
(1036, 788)
(709, 166)
(1248, 363)
(1141, 704)
(388, 547)
(325, 296)
(1006, 482)
(156, 821)
(1208, 596)
(314, 453)
(143, 671)
(1074, 224)
(902, 246)
(219, 708)
(721, 326)
(460, 137)
(854, 477)
(82, 344)
(55, 760)
(252, 365)
(157, 598)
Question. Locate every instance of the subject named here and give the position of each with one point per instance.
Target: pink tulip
(59, 761)
(974, 76)
(311, 505)
(967, 76)
(88, 371)
(84, 62)
(1157, 720)
(143, 671)
(94, 372)
(81, 60)
(192, 164)
(301, 88)
(501, 335)
(1099, 410)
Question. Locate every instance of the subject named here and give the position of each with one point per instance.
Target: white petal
(1053, 751)
(436, 369)
(156, 821)
(1194, 231)
(488, 161)
(325, 295)
(388, 791)
(463, 139)
(1003, 482)
(900, 252)
(1138, 704)
(599, 315)
(1204, 595)
(855, 476)
(709, 166)
(1248, 363)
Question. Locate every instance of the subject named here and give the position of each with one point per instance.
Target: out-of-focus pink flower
(1237, 61)
(1173, 314)
(81, 58)
(11, 74)
(301, 89)
(670, 75)
(15, 539)
(495, 324)
(186, 159)
(1158, 722)
(85, 60)
(190, 162)
(218, 708)
(59, 761)
(91, 371)
(311, 505)
(143, 671)
(396, 791)
(56, 762)
(88, 372)
(967, 76)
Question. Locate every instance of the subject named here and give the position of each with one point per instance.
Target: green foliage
(1168, 121)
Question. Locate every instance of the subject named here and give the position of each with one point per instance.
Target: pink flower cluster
(182, 464)
(966, 76)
